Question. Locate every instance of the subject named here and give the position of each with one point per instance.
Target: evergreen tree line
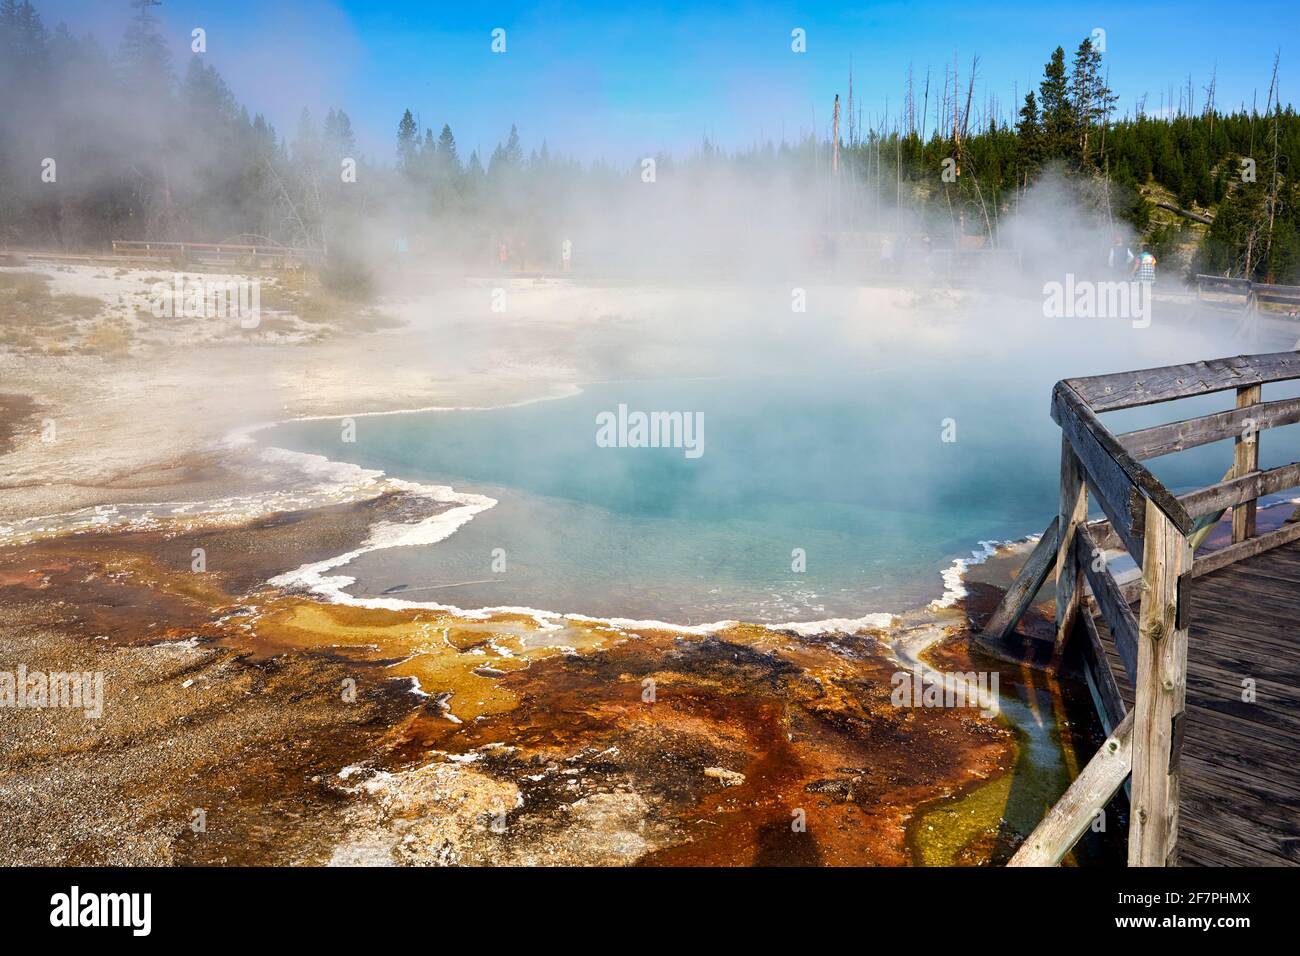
(140, 152)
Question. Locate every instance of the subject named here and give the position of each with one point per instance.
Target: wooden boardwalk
(1240, 795)
(1194, 667)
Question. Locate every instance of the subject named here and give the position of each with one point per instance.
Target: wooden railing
(1250, 293)
(1160, 531)
(212, 250)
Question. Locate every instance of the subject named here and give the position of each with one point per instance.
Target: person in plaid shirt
(1144, 266)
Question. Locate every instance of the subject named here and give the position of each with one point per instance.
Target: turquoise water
(850, 466)
(876, 502)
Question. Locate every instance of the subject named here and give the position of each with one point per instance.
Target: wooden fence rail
(1250, 293)
(1161, 532)
(213, 250)
(1070, 816)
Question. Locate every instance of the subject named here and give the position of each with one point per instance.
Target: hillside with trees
(145, 149)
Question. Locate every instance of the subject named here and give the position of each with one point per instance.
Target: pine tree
(514, 152)
(447, 154)
(24, 45)
(146, 61)
(428, 160)
(1029, 140)
(329, 130)
(406, 143)
(340, 142)
(346, 137)
(1054, 101)
(205, 96)
(1092, 99)
(307, 144)
(239, 176)
(9, 47)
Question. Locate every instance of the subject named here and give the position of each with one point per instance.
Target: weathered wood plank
(1091, 791)
(1276, 565)
(1225, 661)
(1226, 640)
(1289, 294)
(1246, 549)
(1244, 749)
(1216, 848)
(1017, 598)
(1221, 696)
(1215, 801)
(1158, 440)
(1100, 679)
(1257, 788)
(1245, 461)
(1116, 665)
(1131, 591)
(1104, 534)
(1160, 692)
(1263, 628)
(1073, 514)
(1123, 480)
(1114, 609)
(1245, 808)
(1104, 393)
(1226, 282)
(1235, 491)
(1240, 780)
(1118, 497)
(1247, 573)
(1215, 842)
(1237, 790)
(1121, 533)
(1246, 592)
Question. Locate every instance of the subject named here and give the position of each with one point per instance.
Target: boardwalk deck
(1240, 798)
(1194, 668)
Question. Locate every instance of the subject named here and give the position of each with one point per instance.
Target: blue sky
(624, 80)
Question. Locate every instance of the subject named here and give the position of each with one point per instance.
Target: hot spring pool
(833, 495)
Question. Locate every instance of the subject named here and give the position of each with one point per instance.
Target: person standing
(1120, 256)
(1144, 266)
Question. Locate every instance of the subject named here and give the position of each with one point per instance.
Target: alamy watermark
(624, 429)
(1089, 299)
(38, 690)
(193, 297)
(75, 908)
(921, 687)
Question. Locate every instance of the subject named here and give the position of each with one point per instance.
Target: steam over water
(850, 465)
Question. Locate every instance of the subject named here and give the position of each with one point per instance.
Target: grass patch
(312, 299)
(347, 278)
(34, 319)
(109, 339)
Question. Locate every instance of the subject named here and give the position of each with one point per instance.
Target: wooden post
(1160, 693)
(1069, 573)
(1017, 598)
(1245, 457)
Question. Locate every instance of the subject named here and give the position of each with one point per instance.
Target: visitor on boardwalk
(1120, 256)
(1144, 267)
